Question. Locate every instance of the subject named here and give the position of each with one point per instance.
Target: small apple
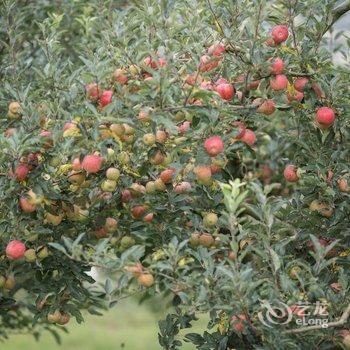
(120, 76)
(112, 174)
(238, 322)
(15, 250)
(214, 145)
(267, 107)
(145, 280)
(54, 317)
(325, 117)
(167, 175)
(300, 84)
(204, 175)
(109, 185)
(30, 255)
(226, 91)
(277, 66)
(322, 208)
(279, 34)
(92, 163)
(105, 98)
(343, 185)
(249, 137)
(206, 240)
(210, 220)
(21, 172)
(280, 82)
(290, 173)
(26, 206)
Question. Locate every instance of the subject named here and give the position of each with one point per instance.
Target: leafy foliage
(136, 86)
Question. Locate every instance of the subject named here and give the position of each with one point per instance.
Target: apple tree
(196, 150)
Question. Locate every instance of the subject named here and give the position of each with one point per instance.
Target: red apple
(149, 62)
(76, 165)
(206, 85)
(92, 163)
(214, 145)
(325, 116)
(277, 66)
(216, 49)
(182, 187)
(226, 91)
(221, 81)
(300, 83)
(238, 322)
(138, 211)
(267, 107)
(149, 217)
(21, 172)
(15, 250)
(167, 175)
(270, 42)
(290, 173)
(126, 196)
(120, 76)
(296, 96)
(106, 98)
(279, 83)
(279, 34)
(192, 79)
(26, 206)
(249, 137)
(207, 63)
(182, 128)
(92, 91)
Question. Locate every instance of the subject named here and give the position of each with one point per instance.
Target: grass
(129, 326)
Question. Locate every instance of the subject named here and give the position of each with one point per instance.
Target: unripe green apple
(117, 129)
(150, 187)
(109, 185)
(76, 177)
(127, 242)
(110, 153)
(43, 253)
(30, 255)
(123, 158)
(114, 241)
(159, 185)
(149, 139)
(210, 220)
(113, 174)
(55, 161)
(194, 239)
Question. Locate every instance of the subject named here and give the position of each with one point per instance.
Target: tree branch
(338, 12)
(342, 320)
